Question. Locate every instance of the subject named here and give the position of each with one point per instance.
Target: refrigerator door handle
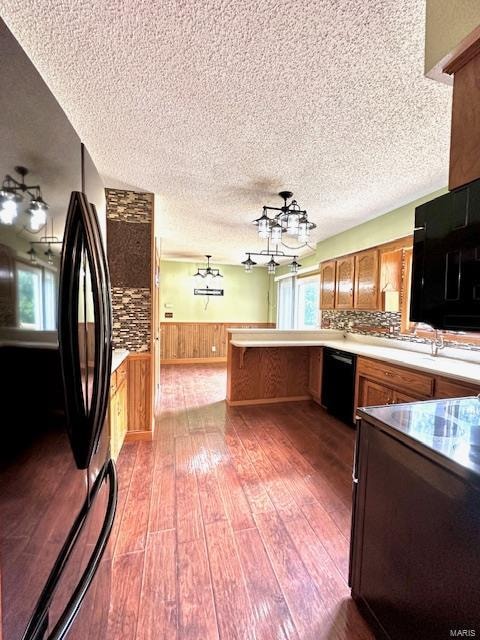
(37, 628)
(66, 619)
(85, 328)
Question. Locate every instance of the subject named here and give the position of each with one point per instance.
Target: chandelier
(208, 271)
(12, 193)
(45, 241)
(290, 219)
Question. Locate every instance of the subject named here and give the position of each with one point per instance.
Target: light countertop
(417, 356)
(118, 356)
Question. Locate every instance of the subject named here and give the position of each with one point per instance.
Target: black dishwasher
(338, 383)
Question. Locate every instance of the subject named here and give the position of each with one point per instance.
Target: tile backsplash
(381, 324)
(129, 237)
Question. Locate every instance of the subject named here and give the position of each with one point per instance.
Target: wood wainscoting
(139, 386)
(192, 342)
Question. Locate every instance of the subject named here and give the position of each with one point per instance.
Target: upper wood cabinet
(327, 284)
(369, 280)
(344, 284)
(366, 280)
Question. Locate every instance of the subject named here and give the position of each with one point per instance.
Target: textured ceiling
(216, 105)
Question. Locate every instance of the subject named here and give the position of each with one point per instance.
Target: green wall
(248, 297)
(389, 226)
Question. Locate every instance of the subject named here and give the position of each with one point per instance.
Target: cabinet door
(366, 280)
(327, 284)
(453, 389)
(399, 397)
(373, 394)
(344, 284)
(315, 378)
(113, 419)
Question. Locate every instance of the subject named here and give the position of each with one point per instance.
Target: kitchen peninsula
(265, 366)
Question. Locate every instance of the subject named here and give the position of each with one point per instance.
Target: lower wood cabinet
(372, 393)
(445, 388)
(384, 383)
(315, 377)
(118, 409)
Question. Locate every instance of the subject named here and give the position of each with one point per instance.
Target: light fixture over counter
(290, 219)
(11, 195)
(272, 264)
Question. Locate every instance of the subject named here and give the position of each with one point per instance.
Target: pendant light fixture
(249, 264)
(272, 264)
(12, 193)
(290, 219)
(208, 271)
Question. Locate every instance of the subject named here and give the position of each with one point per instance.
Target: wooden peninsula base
(260, 375)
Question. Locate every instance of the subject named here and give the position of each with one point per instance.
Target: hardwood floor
(234, 522)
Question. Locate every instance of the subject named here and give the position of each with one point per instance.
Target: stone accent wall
(131, 318)
(129, 206)
(381, 324)
(129, 236)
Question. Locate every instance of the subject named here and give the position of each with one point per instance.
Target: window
(307, 302)
(298, 302)
(36, 298)
(285, 303)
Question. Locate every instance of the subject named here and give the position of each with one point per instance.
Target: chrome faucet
(437, 343)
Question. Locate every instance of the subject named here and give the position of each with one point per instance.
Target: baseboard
(133, 436)
(192, 360)
(237, 403)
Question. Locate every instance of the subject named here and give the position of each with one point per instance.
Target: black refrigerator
(58, 486)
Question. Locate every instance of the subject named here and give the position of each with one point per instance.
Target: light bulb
(292, 222)
(8, 210)
(276, 232)
(303, 229)
(38, 219)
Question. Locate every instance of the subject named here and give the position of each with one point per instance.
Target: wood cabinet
(465, 129)
(445, 388)
(328, 272)
(118, 409)
(139, 395)
(380, 383)
(344, 283)
(369, 280)
(315, 374)
(366, 280)
(372, 394)
(390, 277)
(399, 397)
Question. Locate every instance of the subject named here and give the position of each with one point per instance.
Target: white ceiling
(216, 105)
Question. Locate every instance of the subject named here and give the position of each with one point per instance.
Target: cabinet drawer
(454, 389)
(407, 379)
